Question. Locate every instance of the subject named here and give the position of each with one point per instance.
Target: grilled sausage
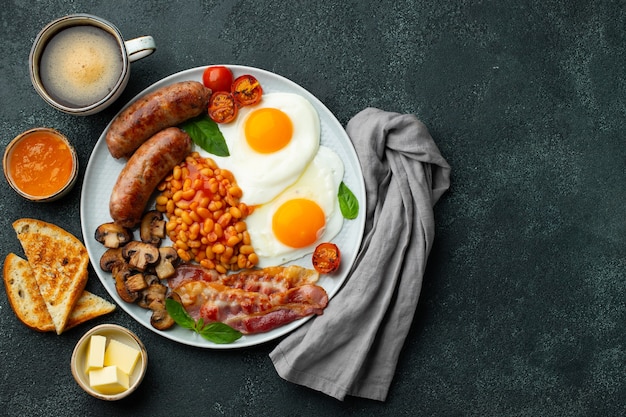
(150, 163)
(166, 107)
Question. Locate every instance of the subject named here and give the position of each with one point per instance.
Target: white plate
(102, 171)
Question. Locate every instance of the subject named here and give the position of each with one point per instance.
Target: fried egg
(303, 215)
(270, 145)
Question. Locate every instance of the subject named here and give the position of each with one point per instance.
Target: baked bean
(225, 219)
(217, 229)
(215, 206)
(235, 192)
(207, 263)
(204, 202)
(235, 212)
(230, 231)
(217, 214)
(194, 231)
(194, 214)
(177, 172)
(161, 200)
(195, 244)
(246, 249)
(183, 204)
(178, 195)
(169, 226)
(233, 241)
(186, 218)
(241, 261)
(253, 259)
(208, 225)
(169, 207)
(204, 212)
(240, 226)
(184, 255)
(246, 238)
(206, 220)
(218, 248)
(189, 193)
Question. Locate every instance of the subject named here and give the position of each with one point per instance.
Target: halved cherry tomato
(247, 90)
(222, 107)
(217, 78)
(326, 258)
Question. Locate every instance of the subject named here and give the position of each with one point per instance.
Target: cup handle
(139, 47)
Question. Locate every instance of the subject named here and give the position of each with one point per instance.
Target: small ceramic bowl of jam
(40, 164)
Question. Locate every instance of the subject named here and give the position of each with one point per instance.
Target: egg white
(263, 176)
(319, 182)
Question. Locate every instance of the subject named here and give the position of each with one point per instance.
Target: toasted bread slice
(29, 306)
(24, 296)
(89, 306)
(59, 262)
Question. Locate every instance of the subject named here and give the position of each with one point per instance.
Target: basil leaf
(199, 325)
(219, 333)
(205, 133)
(179, 314)
(348, 203)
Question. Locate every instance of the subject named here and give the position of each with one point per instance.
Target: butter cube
(121, 355)
(109, 380)
(95, 353)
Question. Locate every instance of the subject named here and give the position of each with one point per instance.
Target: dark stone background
(523, 309)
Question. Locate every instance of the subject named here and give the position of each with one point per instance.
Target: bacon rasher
(266, 281)
(251, 301)
(192, 272)
(272, 279)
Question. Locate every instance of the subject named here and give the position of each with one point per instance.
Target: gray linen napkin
(353, 348)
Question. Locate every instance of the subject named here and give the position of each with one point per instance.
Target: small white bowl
(110, 331)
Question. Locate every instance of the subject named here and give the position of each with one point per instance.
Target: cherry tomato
(326, 258)
(217, 78)
(222, 107)
(247, 90)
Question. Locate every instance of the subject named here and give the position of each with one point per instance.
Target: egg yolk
(298, 223)
(268, 130)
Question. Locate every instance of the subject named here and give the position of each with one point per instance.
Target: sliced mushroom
(153, 296)
(152, 228)
(136, 283)
(140, 255)
(152, 279)
(161, 319)
(175, 296)
(168, 257)
(112, 235)
(111, 259)
(121, 274)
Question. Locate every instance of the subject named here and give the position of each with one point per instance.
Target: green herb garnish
(219, 333)
(348, 203)
(205, 133)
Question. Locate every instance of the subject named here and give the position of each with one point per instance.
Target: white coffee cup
(80, 63)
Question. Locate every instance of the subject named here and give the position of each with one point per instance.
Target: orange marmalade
(40, 164)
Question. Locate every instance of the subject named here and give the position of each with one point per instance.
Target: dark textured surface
(523, 310)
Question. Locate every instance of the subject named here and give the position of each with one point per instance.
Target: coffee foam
(80, 65)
